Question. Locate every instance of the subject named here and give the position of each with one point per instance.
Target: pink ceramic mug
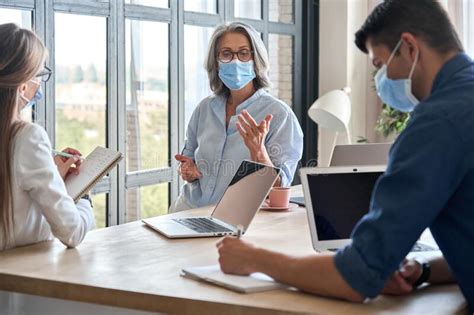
(279, 197)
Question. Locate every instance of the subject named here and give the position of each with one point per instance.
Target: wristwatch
(425, 274)
(88, 198)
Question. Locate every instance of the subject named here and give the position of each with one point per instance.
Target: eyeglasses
(227, 55)
(45, 75)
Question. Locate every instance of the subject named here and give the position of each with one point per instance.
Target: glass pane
(206, 6)
(281, 11)
(81, 92)
(281, 66)
(146, 202)
(23, 19)
(147, 95)
(196, 41)
(20, 17)
(249, 9)
(100, 210)
(150, 3)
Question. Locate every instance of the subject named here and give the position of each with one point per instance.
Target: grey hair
(261, 63)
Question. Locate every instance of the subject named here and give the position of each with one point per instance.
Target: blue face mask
(396, 93)
(236, 74)
(36, 98)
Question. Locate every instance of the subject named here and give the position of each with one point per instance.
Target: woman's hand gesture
(254, 135)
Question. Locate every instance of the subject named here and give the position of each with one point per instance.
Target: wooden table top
(134, 267)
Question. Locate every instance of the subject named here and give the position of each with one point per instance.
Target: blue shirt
(218, 151)
(429, 182)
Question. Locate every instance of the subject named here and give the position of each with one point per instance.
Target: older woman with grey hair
(239, 121)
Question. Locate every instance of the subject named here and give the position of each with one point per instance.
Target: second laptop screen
(339, 201)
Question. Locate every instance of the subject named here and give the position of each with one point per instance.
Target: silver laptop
(336, 200)
(356, 154)
(237, 207)
(360, 154)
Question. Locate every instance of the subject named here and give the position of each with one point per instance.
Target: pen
(240, 230)
(66, 155)
(182, 152)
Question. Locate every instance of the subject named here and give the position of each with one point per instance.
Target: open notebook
(256, 282)
(95, 166)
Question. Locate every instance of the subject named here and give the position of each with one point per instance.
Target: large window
(128, 74)
(147, 112)
(204, 6)
(282, 11)
(23, 19)
(280, 51)
(195, 76)
(81, 92)
(17, 16)
(150, 3)
(249, 9)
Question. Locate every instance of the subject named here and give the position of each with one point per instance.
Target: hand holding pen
(68, 155)
(236, 256)
(68, 162)
(240, 230)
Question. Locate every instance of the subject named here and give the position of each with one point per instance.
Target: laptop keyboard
(202, 225)
(419, 247)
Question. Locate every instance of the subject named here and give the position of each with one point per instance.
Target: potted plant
(391, 122)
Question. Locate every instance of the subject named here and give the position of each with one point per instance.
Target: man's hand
(236, 256)
(402, 280)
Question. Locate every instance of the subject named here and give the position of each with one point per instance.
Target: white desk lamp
(333, 111)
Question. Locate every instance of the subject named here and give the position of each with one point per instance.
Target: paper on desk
(256, 282)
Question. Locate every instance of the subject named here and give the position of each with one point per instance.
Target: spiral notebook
(255, 282)
(95, 166)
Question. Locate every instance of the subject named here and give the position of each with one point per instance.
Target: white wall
(341, 65)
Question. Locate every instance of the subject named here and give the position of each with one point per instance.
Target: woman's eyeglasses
(45, 75)
(227, 55)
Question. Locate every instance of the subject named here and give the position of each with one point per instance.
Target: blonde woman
(239, 121)
(34, 204)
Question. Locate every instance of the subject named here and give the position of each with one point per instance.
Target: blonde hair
(261, 62)
(22, 57)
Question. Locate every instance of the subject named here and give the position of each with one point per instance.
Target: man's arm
(401, 282)
(440, 272)
(315, 274)
(424, 170)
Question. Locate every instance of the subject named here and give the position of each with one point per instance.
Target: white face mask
(396, 93)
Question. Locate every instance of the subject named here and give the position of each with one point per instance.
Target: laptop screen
(339, 201)
(245, 194)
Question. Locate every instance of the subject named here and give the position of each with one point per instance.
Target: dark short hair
(425, 19)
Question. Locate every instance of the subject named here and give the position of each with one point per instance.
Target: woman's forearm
(263, 158)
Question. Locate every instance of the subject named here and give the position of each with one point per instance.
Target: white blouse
(42, 207)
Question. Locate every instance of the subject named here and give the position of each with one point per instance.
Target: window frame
(116, 12)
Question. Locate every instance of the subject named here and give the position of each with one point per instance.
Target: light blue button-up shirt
(218, 151)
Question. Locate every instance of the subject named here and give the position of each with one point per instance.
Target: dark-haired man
(429, 180)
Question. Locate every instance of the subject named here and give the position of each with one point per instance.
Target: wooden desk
(134, 267)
